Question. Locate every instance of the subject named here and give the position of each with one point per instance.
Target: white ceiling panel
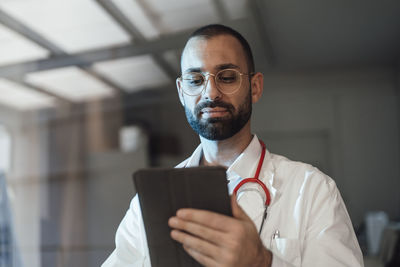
(15, 48)
(70, 83)
(164, 7)
(181, 15)
(135, 13)
(23, 98)
(73, 25)
(133, 73)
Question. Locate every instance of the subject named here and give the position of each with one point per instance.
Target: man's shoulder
(298, 172)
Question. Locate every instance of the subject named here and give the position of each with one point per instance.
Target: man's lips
(213, 112)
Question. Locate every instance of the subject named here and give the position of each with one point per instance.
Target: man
(306, 223)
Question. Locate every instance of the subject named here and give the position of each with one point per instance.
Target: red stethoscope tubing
(256, 179)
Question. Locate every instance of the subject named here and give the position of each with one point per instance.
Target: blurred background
(87, 96)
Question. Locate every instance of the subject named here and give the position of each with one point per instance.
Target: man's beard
(223, 127)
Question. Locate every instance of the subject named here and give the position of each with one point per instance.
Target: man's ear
(180, 92)
(257, 86)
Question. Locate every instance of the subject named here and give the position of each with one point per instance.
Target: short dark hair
(213, 30)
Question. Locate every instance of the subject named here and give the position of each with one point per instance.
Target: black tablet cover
(163, 191)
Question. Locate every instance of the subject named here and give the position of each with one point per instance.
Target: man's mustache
(213, 104)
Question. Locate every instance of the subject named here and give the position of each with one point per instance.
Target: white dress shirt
(307, 222)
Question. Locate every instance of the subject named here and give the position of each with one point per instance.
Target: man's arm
(330, 239)
(218, 240)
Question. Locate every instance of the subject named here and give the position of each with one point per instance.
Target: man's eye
(193, 79)
(227, 78)
(195, 82)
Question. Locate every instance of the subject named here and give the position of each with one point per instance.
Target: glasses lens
(228, 80)
(193, 82)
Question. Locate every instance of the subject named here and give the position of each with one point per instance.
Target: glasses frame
(206, 80)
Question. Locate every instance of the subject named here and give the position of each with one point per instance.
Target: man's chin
(215, 120)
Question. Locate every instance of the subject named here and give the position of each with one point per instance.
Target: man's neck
(224, 152)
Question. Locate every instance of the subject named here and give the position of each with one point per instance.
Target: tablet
(162, 192)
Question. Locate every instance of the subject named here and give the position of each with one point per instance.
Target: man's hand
(217, 240)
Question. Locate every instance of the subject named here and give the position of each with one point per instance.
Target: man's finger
(210, 219)
(202, 246)
(206, 233)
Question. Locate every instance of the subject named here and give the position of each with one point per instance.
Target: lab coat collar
(245, 165)
(195, 158)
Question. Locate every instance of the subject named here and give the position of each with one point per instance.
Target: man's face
(214, 115)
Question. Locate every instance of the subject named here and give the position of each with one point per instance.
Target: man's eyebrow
(227, 66)
(193, 70)
(218, 67)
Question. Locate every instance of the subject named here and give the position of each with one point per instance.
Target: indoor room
(88, 96)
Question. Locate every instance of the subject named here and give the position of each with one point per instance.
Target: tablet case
(163, 191)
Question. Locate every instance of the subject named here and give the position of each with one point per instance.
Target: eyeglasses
(228, 81)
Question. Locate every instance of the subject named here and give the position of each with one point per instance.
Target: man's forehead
(201, 52)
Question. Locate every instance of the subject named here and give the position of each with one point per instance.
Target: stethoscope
(258, 181)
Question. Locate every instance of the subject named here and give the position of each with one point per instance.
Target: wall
(24, 187)
(109, 192)
(351, 115)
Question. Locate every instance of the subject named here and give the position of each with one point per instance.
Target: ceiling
(57, 51)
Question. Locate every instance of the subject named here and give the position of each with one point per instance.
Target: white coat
(306, 208)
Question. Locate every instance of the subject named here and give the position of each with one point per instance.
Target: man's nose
(211, 91)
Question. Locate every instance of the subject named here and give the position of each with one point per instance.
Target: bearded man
(305, 222)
